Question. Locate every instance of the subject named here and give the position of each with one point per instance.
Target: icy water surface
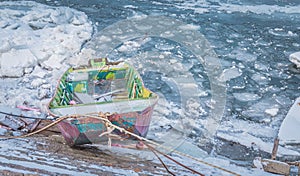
(252, 41)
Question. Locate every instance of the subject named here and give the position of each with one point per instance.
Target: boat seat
(83, 98)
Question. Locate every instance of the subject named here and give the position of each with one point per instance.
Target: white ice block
(295, 58)
(289, 132)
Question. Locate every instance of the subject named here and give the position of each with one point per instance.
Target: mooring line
(170, 158)
(103, 117)
(167, 148)
(39, 130)
(161, 161)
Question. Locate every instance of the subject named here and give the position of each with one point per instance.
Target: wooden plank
(274, 166)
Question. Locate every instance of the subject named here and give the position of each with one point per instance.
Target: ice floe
(14, 62)
(39, 34)
(241, 54)
(262, 111)
(258, 9)
(38, 43)
(282, 32)
(246, 96)
(248, 140)
(288, 132)
(272, 111)
(204, 6)
(295, 58)
(230, 73)
(260, 78)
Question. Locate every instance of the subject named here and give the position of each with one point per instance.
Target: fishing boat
(115, 88)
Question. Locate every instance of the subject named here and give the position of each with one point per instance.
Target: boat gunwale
(106, 102)
(154, 96)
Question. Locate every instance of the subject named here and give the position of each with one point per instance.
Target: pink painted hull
(85, 130)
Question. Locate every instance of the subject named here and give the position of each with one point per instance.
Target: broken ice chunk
(272, 111)
(18, 60)
(246, 96)
(295, 58)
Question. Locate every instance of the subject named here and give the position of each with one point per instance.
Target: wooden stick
(35, 125)
(275, 149)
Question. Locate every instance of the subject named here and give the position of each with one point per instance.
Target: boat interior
(99, 84)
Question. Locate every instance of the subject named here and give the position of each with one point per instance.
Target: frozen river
(220, 67)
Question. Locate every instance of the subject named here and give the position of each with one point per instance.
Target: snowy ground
(253, 42)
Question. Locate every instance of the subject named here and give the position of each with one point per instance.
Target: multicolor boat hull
(125, 98)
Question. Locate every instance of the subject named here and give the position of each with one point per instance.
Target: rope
(161, 161)
(167, 148)
(154, 151)
(40, 130)
(103, 117)
(205, 163)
